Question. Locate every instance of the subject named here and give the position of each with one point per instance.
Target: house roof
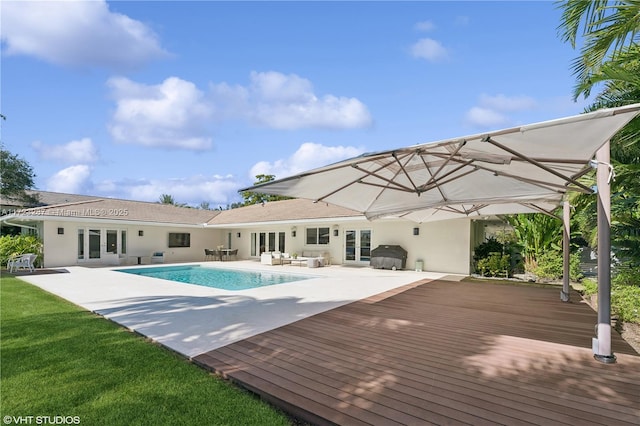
(47, 198)
(285, 210)
(71, 207)
(120, 210)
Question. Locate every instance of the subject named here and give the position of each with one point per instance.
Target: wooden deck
(441, 353)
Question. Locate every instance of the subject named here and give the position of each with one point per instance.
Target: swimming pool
(225, 279)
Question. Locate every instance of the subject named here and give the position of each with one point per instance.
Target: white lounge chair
(23, 261)
(274, 258)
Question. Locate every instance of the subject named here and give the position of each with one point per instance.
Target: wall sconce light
(335, 232)
(238, 235)
(140, 233)
(293, 231)
(60, 231)
(416, 231)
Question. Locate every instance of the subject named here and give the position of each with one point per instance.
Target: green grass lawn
(56, 359)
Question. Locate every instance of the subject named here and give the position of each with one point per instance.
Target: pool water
(225, 279)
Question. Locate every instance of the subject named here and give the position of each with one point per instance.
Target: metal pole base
(564, 296)
(605, 359)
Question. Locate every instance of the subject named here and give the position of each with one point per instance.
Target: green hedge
(625, 294)
(550, 266)
(11, 245)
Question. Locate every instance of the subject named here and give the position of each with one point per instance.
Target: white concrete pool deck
(192, 319)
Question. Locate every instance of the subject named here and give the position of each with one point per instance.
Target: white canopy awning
(518, 170)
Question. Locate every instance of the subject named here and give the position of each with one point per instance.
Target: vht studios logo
(41, 420)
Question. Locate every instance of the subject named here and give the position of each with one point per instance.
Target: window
(80, 243)
(318, 236)
(112, 241)
(272, 241)
(123, 238)
(179, 239)
(281, 241)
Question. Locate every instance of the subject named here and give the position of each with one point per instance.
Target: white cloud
(424, 26)
(429, 49)
(485, 117)
(280, 101)
(493, 110)
(172, 114)
(73, 180)
(308, 156)
(77, 33)
(175, 113)
(74, 152)
(505, 103)
(216, 190)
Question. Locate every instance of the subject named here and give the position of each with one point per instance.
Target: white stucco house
(84, 230)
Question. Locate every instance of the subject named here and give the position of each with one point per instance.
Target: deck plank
(441, 352)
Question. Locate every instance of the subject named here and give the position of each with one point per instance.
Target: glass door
(94, 244)
(267, 241)
(365, 245)
(112, 241)
(101, 244)
(357, 245)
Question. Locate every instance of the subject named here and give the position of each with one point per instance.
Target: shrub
(483, 250)
(625, 299)
(590, 286)
(630, 276)
(490, 259)
(495, 264)
(550, 266)
(625, 302)
(19, 244)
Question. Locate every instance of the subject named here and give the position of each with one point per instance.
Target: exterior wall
(293, 244)
(442, 246)
(61, 249)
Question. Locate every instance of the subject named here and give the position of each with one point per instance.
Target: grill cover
(388, 257)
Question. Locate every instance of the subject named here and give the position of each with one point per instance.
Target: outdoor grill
(388, 257)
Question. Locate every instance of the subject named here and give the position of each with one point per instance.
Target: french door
(267, 241)
(357, 245)
(96, 244)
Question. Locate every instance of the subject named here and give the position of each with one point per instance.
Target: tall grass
(58, 360)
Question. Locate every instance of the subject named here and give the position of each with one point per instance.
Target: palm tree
(610, 57)
(167, 199)
(609, 28)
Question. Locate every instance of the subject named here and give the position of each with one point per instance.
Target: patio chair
(233, 253)
(210, 254)
(23, 261)
(157, 257)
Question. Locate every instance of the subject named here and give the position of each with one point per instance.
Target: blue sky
(137, 99)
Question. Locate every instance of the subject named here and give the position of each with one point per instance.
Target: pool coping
(192, 319)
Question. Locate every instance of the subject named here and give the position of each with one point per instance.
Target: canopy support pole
(566, 258)
(602, 344)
